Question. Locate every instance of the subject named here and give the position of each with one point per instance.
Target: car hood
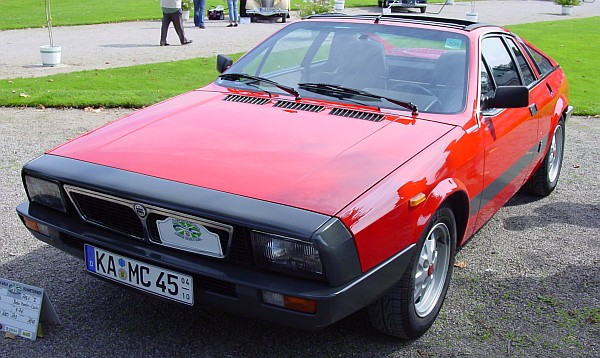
(310, 160)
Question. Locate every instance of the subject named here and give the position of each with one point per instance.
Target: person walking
(233, 13)
(199, 7)
(172, 13)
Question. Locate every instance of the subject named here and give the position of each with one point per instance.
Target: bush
(311, 7)
(568, 2)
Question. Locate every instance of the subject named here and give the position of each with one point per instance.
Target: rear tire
(411, 306)
(423, 9)
(545, 178)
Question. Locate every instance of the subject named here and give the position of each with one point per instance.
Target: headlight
(286, 254)
(44, 192)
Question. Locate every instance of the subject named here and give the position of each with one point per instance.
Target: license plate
(145, 277)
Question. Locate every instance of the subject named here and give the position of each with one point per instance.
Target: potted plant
(50, 54)
(186, 7)
(567, 5)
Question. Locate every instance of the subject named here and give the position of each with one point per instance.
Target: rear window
(543, 64)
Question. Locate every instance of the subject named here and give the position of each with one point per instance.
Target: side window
(526, 72)
(504, 70)
(542, 63)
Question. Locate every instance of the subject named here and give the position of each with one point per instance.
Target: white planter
(472, 16)
(50, 55)
(567, 10)
(338, 5)
(185, 14)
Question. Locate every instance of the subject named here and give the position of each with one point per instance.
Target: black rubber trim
(202, 202)
(492, 190)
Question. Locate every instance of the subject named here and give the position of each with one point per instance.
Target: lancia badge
(140, 210)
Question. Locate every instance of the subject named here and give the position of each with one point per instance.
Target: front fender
(441, 193)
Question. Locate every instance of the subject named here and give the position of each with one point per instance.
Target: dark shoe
(235, 25)
(201, 26)
(230, 25)
(187, 42)
(164, 44)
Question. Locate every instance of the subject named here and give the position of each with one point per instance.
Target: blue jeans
(233, 12)
(199, 6)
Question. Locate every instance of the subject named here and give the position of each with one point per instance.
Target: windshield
(423, 67)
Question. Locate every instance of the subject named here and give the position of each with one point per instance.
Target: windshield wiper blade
(241, 76)
(345, 91)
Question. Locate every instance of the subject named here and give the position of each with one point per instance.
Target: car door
(542, 94)
(509, 135)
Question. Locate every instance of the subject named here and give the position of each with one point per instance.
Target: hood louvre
(299, 106)
(367, 116)
(246, 99)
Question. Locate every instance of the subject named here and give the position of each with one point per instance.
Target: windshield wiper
(242, 76)
(342, 92)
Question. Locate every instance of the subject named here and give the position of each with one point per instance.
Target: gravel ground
(531, 285)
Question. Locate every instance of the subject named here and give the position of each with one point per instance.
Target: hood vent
(246, 99)
(373, 117)
(299, 106)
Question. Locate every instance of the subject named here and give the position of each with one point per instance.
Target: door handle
(533, 109)
(550, 90)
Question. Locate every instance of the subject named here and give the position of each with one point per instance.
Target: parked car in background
(397, 5)
(336, 166)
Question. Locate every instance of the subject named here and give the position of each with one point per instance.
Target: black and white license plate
(149, 278)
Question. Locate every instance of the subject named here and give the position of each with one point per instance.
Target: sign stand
(21, 309)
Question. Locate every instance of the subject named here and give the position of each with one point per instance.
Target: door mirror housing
(223, 63)
(507, 97)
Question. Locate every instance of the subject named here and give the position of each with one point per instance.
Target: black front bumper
(235, 289)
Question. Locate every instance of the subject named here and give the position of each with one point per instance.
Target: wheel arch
(451, 192)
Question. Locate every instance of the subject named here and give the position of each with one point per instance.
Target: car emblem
(140, 210)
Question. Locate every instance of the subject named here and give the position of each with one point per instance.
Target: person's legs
(197, 13)
(236, 16)
(178, 24)
(202, 10)
(166, 20)
(231, 12)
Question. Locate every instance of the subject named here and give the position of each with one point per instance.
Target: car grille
(119, 215)
(112, 215)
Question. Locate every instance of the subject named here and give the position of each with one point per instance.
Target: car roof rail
(417, 19)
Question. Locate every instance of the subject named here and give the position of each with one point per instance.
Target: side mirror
(223, 63)
(508, 97)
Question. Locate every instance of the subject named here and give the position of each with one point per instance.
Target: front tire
(411, 306)
(545, 178)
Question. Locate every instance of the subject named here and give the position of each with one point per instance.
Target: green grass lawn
(574, 44)
(19, 14)
(570, 42)
(111, 87)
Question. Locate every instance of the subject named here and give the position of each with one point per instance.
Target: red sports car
(336, 166)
